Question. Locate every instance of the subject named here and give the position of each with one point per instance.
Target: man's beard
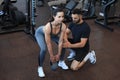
(77, 21)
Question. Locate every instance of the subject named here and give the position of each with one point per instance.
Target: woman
(52, 31)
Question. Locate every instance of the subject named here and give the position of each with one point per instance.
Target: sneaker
(41, 72)
(71, 56)
(92, 57)
(62, 65)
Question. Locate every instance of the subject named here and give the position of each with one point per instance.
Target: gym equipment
(88, 8)
(68, 9)
(10, 17)
(54, 65)
(57, 2)
(30, 18)
(40, 3)
(107, 13)
(16, 18)
(1, 1)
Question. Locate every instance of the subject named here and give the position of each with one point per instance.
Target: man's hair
(77, 11)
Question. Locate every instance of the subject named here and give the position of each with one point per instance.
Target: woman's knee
(43, 51)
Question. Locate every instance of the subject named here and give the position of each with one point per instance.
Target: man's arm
(79, 44)
(76, 45)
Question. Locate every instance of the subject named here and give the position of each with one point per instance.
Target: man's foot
(41, 72)
(92, 57)
(62, 65)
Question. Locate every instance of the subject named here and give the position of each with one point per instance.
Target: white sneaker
(71, 56)
(41, 72)
(62, 65)
(92, 57)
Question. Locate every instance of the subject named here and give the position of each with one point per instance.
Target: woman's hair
(54, 13)
(77, 11)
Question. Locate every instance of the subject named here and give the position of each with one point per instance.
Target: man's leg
(72, 52)
(71, 55)
(77, 64)
(80, 60)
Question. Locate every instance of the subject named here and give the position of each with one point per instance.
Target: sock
(87, 57)
(72, 51)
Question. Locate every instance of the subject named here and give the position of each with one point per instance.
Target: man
(79, 42)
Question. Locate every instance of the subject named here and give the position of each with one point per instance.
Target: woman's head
(58, 15)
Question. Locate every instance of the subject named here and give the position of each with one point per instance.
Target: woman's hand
(57, 57)
(52, 58)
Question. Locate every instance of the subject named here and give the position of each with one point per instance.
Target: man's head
(76, 15)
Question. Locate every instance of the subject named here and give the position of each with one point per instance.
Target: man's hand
(66, 44)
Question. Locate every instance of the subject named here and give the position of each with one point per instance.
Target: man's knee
(74, 68)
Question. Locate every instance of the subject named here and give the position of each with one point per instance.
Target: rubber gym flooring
(19, 54)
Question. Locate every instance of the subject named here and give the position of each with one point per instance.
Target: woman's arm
(61, 38)
(67, 32)
(47, 31)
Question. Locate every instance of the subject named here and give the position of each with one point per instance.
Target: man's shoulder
(86, 24)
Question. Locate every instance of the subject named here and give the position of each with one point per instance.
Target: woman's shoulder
(47, 27)
(47, 24)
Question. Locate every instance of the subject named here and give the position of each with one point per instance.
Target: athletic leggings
(39, 35)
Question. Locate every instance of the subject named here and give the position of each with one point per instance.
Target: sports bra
(58, 32)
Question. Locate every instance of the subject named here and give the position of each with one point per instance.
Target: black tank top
(58, 32)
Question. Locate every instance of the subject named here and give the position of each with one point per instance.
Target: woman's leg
(56, 39)
(61, 62)
(42, 44)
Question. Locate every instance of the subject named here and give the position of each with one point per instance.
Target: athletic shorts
(80, 53)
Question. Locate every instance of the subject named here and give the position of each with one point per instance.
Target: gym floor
(19, 54)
